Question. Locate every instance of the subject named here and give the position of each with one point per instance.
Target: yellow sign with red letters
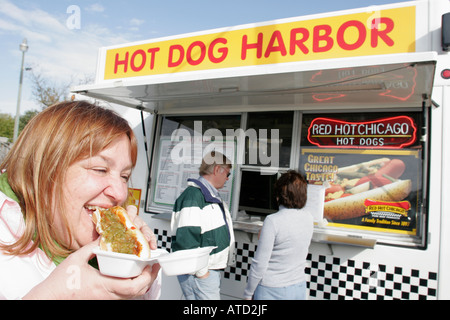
(358, 34)
(134, 198)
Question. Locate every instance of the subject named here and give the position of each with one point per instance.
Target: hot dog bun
(356, 167)
(353, 206)
(118, 233)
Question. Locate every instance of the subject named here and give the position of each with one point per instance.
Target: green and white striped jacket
(199, 219)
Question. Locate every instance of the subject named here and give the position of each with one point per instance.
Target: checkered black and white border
(332, 278)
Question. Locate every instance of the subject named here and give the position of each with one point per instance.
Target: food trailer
(356, 100)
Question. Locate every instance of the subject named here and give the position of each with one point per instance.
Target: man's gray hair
(211, 159)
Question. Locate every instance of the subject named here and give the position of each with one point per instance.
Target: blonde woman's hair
(210, 160)
(37, 163)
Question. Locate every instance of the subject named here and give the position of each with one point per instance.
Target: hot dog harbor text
(351, 35)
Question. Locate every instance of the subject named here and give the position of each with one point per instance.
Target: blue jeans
(293, 292)
(200, 289)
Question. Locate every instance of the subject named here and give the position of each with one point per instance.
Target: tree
(7, 123)
(6, 126)
(46, 94)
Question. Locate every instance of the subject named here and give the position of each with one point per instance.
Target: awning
(380, 82)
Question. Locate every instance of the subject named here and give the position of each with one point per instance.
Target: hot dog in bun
(353, 205)
(118, 233)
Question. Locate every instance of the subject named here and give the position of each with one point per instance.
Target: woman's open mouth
(91, 209)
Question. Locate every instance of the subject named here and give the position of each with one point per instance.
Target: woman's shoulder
(289, 215)
(11, 218)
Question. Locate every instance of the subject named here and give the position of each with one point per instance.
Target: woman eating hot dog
(71, 156)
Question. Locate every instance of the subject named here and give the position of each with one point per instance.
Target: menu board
(374, 168)
(173, 169)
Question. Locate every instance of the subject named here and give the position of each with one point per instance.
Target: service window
(178, 152)
(268, 143)
(269, 139)
(375, 166)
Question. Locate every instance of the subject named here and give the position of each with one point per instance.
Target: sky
(64, 35)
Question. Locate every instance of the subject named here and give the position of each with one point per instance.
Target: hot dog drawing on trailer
(377, 180)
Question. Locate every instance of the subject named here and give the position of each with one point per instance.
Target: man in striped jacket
(200, 219)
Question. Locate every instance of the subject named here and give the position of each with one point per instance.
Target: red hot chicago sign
(387, 133)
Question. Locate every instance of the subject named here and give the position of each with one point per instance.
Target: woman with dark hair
(278, 268)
